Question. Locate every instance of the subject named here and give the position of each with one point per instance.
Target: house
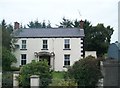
(61, 47)
(114, 51)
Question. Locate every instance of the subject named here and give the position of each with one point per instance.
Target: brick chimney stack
(16, 25)
(81, 24)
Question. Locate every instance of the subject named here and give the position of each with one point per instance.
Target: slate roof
(118, 45)
(48, 32)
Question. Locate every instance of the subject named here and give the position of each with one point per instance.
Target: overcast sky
(95, 11)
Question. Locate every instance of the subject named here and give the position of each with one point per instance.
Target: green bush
(13, 68)
(35, 68)
(7, 79)
(86, 72)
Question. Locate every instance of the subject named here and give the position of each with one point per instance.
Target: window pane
(23, 59)
(66, 59)
(23, 62)
(23, 44)
(45, 46)
(23, 41)
(67, 46)
(44, 41)
(23, 56)
(67, 41)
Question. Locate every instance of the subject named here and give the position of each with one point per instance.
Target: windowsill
(23, 49)
(66, 66)
(66, 49)
(44, 49)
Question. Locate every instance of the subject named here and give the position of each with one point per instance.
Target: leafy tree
(9, 28)
(101, 39)
(96, 38)
(43, 24)
(6, 38)
(36, 24)
(66, 23)
(35, 68)
(7, 59)
(86, 72)
(49, 24)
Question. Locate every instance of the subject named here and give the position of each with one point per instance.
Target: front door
(47, 58)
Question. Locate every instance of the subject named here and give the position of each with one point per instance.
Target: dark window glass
(23, 59)
(66, 60)
(67, 43)
(45, 45)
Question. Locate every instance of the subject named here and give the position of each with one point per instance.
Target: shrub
(86, 72)
(7, 79)
(35, 68)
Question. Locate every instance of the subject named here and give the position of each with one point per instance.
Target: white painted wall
(15, 80)
(55, 45)
(34, 81)
(92, 53)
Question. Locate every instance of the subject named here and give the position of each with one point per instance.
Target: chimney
(16, 25)
(81, 24)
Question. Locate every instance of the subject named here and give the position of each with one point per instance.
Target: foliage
(97, 38)
(64, 83)
(66, 23)
(58, 75)
(7, 59)
(86, 72)
(36, 24)
(7, 79)
(13, 68)
(6, 38)
(60, 80)
(35, 68)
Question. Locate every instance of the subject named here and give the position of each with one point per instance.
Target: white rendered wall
(55, 45)
(92, 53)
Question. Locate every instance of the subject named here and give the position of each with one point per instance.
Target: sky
(95, 11)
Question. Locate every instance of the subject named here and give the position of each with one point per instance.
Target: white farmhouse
(61, 47)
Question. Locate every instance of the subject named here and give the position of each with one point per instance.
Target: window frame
(45, 44)
(23, 44)
(66, 60)
(23, 58)
(66, 44)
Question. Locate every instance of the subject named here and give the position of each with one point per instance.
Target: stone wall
(111, 73)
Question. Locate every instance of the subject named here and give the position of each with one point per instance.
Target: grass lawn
(58, 75)
(58, 80)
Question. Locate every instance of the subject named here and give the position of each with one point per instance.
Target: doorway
(45, 57)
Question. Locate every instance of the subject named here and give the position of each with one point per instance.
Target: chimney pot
(81, 24)
(16, 25)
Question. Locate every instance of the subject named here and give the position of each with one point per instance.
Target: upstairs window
(67, 44)
(45, 44)
(66, 60)
(23, 59)
(23, 44)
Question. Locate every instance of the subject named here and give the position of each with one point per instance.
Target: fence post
(34, 81)
(15, 80)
